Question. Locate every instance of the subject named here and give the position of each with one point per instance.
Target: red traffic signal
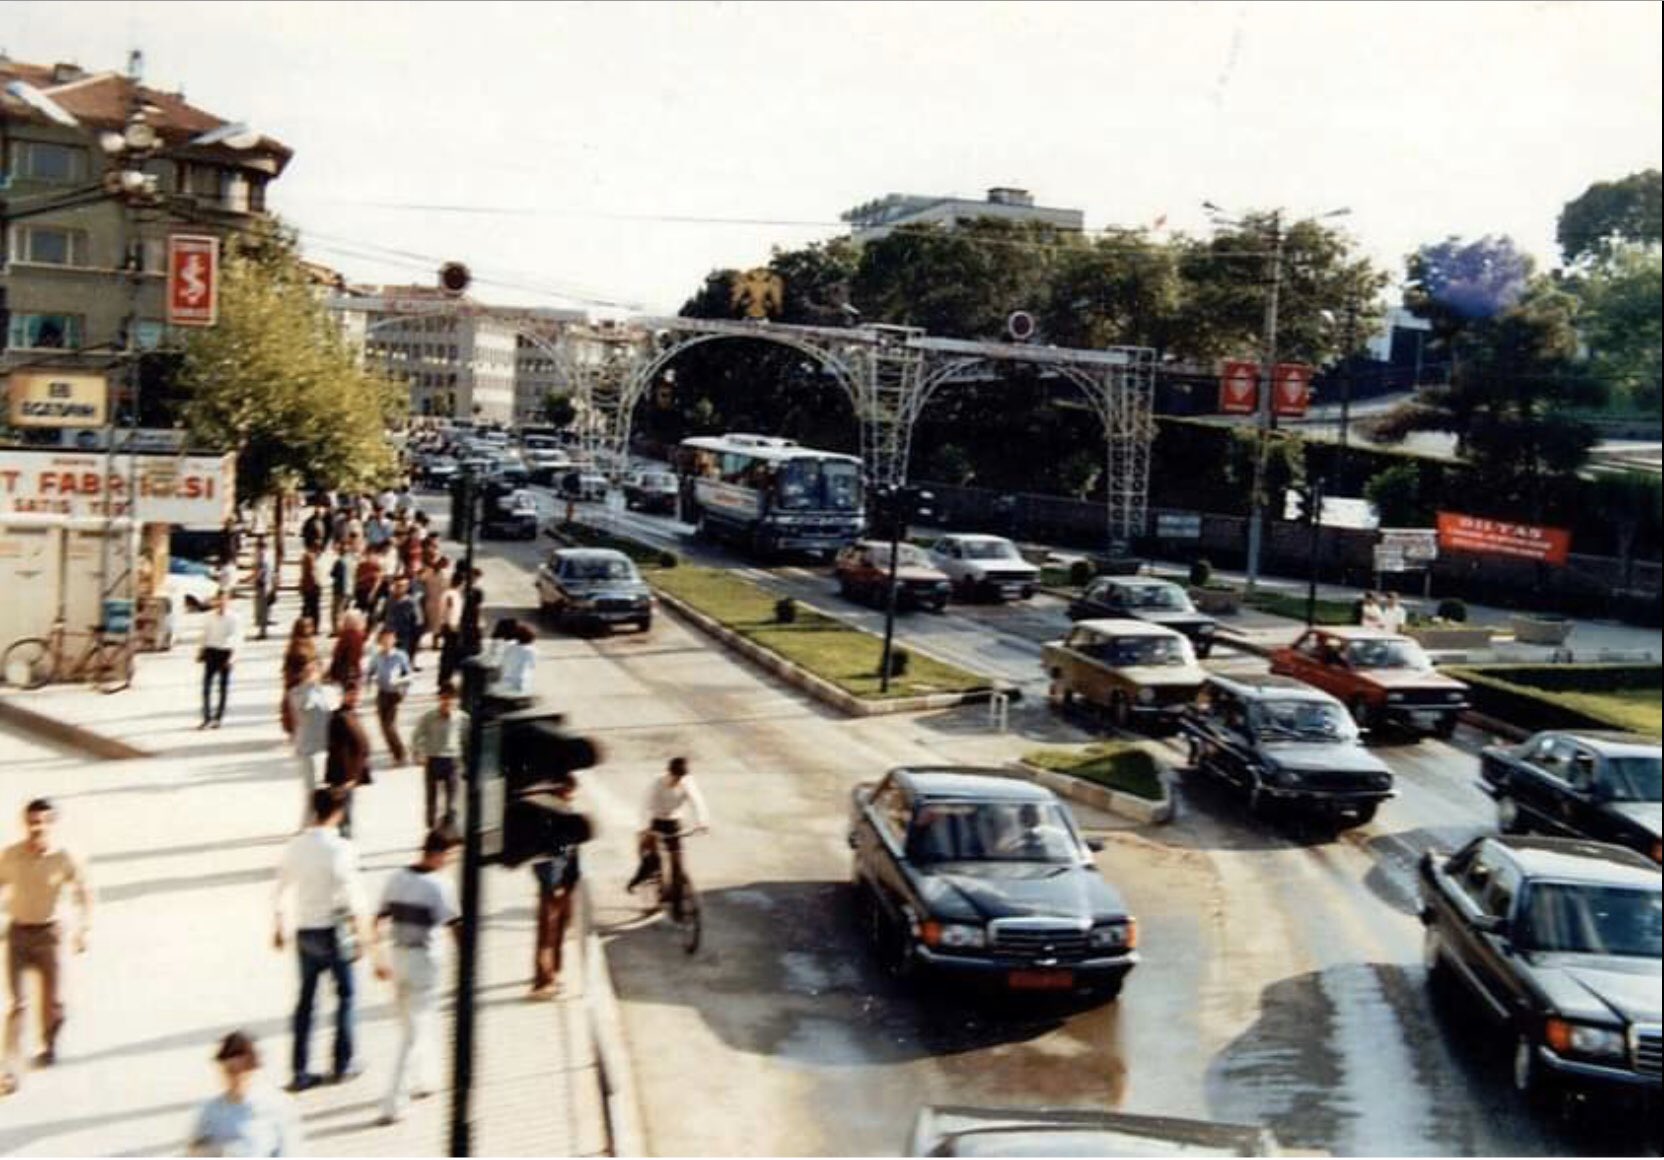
(454, 277)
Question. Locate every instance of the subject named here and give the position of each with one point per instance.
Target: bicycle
(677, 895)
(106, 662)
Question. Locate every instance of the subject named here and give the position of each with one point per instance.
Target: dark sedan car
(969, 873)
(1604, 786)
(594, 586)
(1288, 747)
(1157, 601)
(1557, 941)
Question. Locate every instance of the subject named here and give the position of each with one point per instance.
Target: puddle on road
(821, 1043)
(807, 974)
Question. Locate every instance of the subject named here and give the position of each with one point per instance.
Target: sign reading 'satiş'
(1487, 537)
(194, 490)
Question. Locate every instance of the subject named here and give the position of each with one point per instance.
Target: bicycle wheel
(690, 918)
(111, 666)
(27, 663)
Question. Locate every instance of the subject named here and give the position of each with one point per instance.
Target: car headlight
(956, 935)
(1146, 696)
(1112, 937)
(1578, 1039)
(1395, 696)
(643, 600)
(942, 586)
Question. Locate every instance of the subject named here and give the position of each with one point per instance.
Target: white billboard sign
(194, 490)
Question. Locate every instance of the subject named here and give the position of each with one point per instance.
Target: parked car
(968, 873)
(863, 573)
(1604, 786)
(1143, 674)
(1157, 601)
(190, 584)
(985, 566)
(652, 491)
(1557, 942)
(1288, 747)
(589, 486)
(510, 513)
(1380, 677)
(593, 586)
(966, 1131)
(437, 471)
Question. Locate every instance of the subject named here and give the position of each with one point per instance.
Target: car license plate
(1011, 591)
(1426, 718)
(1040, 980)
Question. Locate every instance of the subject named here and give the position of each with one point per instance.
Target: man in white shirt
(669, 799)
(311, 706)
(222, 633)
(418, 903)
(331, 921)
(1393, 614)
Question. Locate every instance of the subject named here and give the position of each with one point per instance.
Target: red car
(1382, 678)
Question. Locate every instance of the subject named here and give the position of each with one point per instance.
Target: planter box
(1216, 601)
(1445, 639)
(1550, 630)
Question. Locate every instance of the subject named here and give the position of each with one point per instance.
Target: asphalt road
(1281, 982)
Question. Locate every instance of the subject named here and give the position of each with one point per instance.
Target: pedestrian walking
(34, 873)
(518, 662)
(439, 744)
(222, 634)
(417, 904)
(450, 629)
(346, 663)
(473, 617)
(311, 589)
(302, 652)
(320, 867)
(1369, 612)
(389, 669)
(346, 753)
(310, 708)
(404, 617)
(248, 1118)
(1393, 614)
(557, 880)
(369, 583)
(341, 576)
(261, 578)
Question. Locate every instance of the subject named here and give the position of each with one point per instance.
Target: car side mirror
(1491, 924)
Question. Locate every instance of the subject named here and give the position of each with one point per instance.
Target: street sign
(1389, 559)
(1486, 537)
(1239, 388)
(193, 279)
(1416, 545)
(1178, 526)
(1291, 389)
(57, 399)
(194, 490)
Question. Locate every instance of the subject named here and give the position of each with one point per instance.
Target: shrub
(1453, 610)
(669, 559)
(899, 660)
(785, 610)
(1080, 573)
(1201, 571)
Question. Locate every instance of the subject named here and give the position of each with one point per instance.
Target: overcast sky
(616, 153)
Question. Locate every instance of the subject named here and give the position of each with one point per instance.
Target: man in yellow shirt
(34, 874)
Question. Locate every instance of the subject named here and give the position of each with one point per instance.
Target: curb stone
(620, 1105)
(816, 687)
(1126, 805)
(70, 736)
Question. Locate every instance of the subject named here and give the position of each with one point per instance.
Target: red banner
(193, 279)
(1239, 388)
(1459, 533)
(1291, 389)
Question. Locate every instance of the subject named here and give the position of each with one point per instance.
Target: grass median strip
(828, 648)
(1118, 765)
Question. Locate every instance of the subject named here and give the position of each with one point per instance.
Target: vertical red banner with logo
(193, 279)
(1291, 390)
(1239, 388)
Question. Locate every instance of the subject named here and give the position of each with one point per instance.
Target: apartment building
(71, 276)
(878, 218)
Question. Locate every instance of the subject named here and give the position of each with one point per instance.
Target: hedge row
(1588, 678)
(1511, 693)
(580, 535)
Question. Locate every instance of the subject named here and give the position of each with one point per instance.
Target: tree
(275, 381)
(1396, 494)
(1630, 500)
(1622, 321)
(558, 409)
(1454, 284)
(1612, 213)
(1122, 290)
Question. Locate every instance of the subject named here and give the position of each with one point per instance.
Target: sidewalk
(182, 846)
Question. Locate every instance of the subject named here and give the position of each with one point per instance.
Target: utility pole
(1256, 516)
(475, 679)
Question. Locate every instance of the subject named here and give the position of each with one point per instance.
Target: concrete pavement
(181, 845)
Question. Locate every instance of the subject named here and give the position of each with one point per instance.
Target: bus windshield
(818, 485)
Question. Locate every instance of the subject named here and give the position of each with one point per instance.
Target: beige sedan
(1142, 674)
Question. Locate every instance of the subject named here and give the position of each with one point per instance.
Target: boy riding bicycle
(669, 797)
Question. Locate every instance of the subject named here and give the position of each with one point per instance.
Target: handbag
(346, 935)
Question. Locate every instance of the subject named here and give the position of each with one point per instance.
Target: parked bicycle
(105, 660)
(677, 896)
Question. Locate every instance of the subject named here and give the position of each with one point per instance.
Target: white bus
(769, 494)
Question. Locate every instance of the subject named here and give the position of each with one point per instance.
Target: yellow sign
(758, 294)
(57, 399)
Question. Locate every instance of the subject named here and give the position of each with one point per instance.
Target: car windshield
(1634, 779)
(1161, 597)
(907, 556)
(1387, 654)
(990, 550)
(992, 832)
(1128, 651)
(598, 569)
(1593, 920)
(1302, 721)
(818, 485)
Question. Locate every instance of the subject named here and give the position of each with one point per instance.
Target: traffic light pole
(891, 498)
(462, 1084)
(1315, 518)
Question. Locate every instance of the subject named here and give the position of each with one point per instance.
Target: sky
(609, 156)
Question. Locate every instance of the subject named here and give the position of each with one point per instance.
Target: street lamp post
(462, 1086)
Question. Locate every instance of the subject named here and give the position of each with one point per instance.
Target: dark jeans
(318, 954)
(441, 771)
(216, 666)
(450, 656)
(311, 603)
(387, 711)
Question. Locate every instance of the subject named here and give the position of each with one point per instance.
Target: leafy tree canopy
(1610, 214)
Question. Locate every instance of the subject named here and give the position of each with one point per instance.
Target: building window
(256, 194)
(45, 332)
(51, 246)
(203, 181)
(44, 161)
(236, 192)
